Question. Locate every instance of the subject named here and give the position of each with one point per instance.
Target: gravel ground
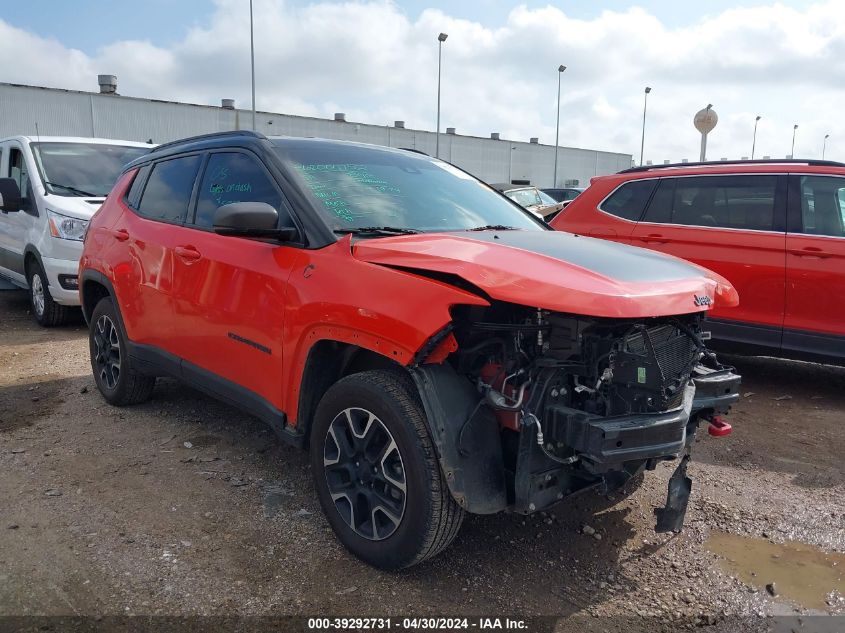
(184, 506)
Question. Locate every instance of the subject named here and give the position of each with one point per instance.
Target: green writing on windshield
(338, 186)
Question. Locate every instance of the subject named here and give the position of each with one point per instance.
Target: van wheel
(116, 378)
(377, 476)
(47, 312)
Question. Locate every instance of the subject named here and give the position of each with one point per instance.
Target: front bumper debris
(670, 518)
(606, 443)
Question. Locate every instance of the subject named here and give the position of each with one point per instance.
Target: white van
(50, 186)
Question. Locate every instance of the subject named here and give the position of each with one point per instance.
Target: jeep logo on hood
(702, 300)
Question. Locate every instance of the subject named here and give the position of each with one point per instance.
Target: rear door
(735, 226)
(229, 292)
(815, 266)
(619, 212)
(159, 199)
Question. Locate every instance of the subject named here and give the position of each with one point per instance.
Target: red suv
(436, 348)
(774, 229)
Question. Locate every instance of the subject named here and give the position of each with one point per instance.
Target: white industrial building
(106, 114)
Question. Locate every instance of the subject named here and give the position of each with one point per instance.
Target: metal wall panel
(71, 113)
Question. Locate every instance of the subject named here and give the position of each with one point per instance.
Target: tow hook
(719, 427)
(671, 517)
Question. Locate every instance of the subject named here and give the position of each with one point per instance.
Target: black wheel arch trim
(28, 250)
(474, 473)
(96, 276)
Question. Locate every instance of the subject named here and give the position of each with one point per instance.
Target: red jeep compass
(435, 348)
(774, 229)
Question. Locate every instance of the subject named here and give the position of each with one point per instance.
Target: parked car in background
(531, 198)
(436, 348)
(775, 229)
(50, 187)
(564, 194)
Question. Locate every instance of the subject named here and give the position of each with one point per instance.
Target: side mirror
(251, 219)
(10, 195)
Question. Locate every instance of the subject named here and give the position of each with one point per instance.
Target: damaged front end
(534, 406)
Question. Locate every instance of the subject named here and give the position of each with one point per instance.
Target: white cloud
(370, 60)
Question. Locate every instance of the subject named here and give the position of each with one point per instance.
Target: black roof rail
(763, 161)
(208, 137)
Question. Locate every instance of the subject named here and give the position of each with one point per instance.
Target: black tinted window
(629, 200)
(168, 191)
(137, 185)
(733, 202)
(234, 177)
(823, 205)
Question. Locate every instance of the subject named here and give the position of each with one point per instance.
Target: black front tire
(116, 377)
(46, 311)
(429, 519)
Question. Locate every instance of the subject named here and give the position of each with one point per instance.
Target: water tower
(704, 121)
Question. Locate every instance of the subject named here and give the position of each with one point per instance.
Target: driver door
(229, 292)
(15, 225)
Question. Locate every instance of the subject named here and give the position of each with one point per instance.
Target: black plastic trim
(723, 163)
(607, 442)
(11, 260)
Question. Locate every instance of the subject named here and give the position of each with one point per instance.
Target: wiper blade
(494, 227)
(377, 230)
(78, 192)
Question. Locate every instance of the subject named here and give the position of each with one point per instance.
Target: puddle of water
(801, 573)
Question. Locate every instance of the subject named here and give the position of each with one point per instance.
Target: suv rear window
(823, 205)
(732, 202)
(169, 188)
(629, 200)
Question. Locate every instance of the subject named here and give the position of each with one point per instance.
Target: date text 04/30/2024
(431, 623)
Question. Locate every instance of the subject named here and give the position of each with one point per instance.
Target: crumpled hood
(558, 271)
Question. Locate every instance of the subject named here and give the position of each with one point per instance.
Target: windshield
(356, 186)
(525, 197)
(546, 198)
(82, 169)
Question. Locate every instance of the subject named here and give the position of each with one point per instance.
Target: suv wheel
(47, 312)
(116, 378)
(376, 472)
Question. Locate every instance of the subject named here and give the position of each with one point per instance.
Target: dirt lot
(183, 506)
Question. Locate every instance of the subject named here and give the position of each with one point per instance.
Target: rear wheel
(376, 472)
(47, 312)
(116, 377)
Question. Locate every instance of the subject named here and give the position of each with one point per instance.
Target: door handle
(655, 238)
(188, 253)
(810, 251)
(121, 235)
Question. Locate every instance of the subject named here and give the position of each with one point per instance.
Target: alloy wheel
(37, 290)
(107, 352)
(365, 473)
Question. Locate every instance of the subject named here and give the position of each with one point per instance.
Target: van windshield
(355, 186)
(82, 169)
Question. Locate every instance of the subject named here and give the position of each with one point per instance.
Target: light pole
(560, 70)
(754, 142)
(824, 144)
(252, 61)
(792, 151)
(440, 38)
(642, 142)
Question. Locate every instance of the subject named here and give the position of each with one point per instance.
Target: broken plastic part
(671, 517)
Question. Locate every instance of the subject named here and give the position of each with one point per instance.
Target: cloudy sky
(377, 61)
